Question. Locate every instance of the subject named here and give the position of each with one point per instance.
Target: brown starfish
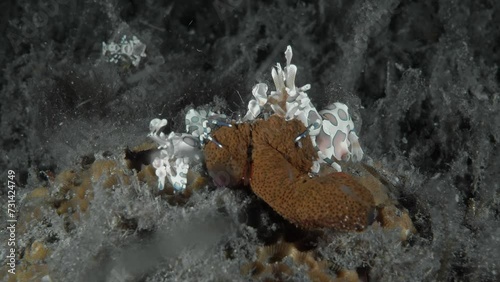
(264, 155)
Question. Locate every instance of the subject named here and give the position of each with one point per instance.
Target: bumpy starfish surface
(264, 155)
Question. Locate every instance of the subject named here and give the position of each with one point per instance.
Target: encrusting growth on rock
(274, 263)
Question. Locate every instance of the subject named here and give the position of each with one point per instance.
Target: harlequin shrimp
(272, 156)
(331, 130)
(180, 150)
(131, 50)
